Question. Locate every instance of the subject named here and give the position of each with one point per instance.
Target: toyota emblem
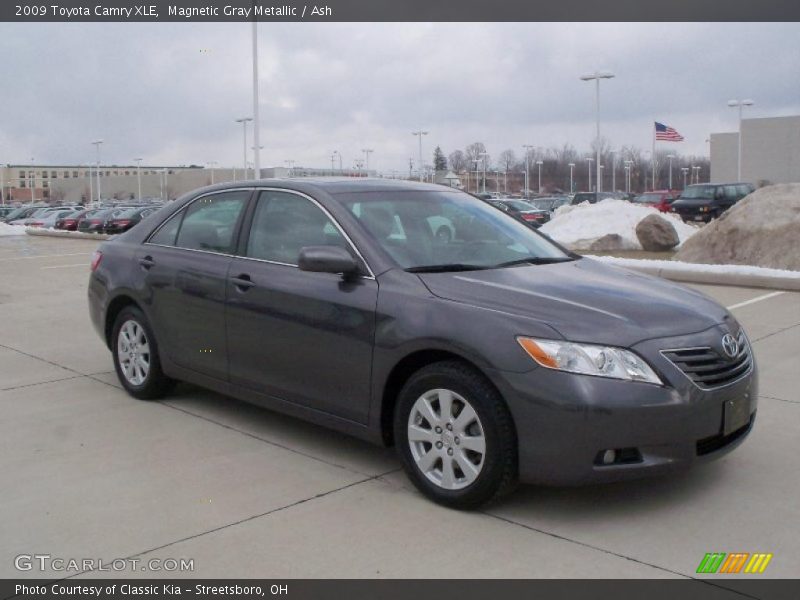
(730, 346)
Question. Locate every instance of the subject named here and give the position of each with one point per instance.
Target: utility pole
(96, 144)
(527, 148)
(138, 162)
(367, 152)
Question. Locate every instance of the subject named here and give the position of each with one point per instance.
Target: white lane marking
(48, 256)
(83, 264)
(754, 300)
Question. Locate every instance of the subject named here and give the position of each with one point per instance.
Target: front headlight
(588, 359)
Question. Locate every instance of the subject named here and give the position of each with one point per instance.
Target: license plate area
(736, 414)
(698, 217)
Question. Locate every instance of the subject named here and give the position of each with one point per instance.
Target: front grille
(707, 368)
(719, 441)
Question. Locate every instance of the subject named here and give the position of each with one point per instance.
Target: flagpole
(653, 156)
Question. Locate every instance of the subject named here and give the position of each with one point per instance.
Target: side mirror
(327, 259)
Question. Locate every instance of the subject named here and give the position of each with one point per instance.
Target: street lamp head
(571, 165)
(747, 103)
(244, 119)
(670, 156)
(589, 158)
(597, 75)
(539, 162)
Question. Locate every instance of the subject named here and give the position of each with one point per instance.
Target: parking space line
(83, 264)
(46, 256)
(754, 300)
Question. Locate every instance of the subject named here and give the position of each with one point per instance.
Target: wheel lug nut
(457, 441)
(438, 429)
(450, 451)
(439, 445)
(449, 427)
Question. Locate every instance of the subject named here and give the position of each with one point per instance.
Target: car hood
(692, 201)
(584, 300)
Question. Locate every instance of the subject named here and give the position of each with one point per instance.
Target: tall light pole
(613, 171)
(528, 149)
(484, 155)
(589, 160)
(696, 174)
(670, 157)
(244, 121)
(600, 181)
(477, 162)
(571, 185)
(628, 164)
(256, 121)
(212, 164)
(685, 171)
(367, 152)
(290, 162)
(740, 104)
(138, 162)
(420, 133)
(596, 77)
(539, 164)
(96, 144)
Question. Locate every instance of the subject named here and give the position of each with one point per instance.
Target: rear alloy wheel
(455, 436)
(136, 356)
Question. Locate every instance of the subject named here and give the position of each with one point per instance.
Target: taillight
(96, 258)
(125, 222)
(529, 216)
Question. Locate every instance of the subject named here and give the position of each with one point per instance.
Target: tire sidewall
(492, 472)
(154, 380)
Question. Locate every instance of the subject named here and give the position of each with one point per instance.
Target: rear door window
(210, 222)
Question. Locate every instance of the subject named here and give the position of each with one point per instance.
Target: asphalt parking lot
(89, 472)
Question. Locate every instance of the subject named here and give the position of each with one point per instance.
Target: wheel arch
(403, 370)
(117, 304)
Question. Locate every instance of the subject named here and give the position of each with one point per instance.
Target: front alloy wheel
(446, 439)
(455, 436)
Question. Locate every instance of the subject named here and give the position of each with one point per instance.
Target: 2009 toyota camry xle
(420, 316)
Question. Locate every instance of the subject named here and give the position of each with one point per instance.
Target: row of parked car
(101, 219)
(700, 202)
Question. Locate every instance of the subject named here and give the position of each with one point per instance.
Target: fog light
(609, 456)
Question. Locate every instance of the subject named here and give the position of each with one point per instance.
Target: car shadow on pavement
(296, 435)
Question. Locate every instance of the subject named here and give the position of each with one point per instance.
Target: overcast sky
(170, 92)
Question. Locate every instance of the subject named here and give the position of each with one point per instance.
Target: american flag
(667, 134)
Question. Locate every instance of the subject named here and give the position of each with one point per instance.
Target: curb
(68, 234)
(772, 282)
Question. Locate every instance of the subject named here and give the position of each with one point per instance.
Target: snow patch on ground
(6, 229)
(580, 225)
(675, 265)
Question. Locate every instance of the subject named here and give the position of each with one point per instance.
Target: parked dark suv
(486, 356)
(707, 201)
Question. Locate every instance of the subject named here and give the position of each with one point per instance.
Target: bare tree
(458, 161)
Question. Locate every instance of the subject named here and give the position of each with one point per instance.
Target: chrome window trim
(327, 213)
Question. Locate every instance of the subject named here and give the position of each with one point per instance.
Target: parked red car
(70, 221)
(660, 199)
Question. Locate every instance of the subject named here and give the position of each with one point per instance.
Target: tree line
(505, 171)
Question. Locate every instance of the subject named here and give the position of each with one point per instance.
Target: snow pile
(580, 225)
(6, 229)
(762, 230)
(674, 265)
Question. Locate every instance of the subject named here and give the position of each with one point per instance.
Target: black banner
(398, 10)
(148, 589)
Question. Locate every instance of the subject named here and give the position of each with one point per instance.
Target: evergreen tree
(439, 160)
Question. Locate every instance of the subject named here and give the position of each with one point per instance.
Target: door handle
(147, 262)
(242, 282)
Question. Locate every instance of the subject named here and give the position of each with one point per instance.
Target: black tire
(499, 472)
(156, 384)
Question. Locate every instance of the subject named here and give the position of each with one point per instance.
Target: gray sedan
(486, 357)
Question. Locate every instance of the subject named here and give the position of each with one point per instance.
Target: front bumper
(564, 421)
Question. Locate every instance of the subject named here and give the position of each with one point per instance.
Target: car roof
(337, 185)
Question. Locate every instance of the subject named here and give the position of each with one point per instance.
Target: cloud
(170, 92)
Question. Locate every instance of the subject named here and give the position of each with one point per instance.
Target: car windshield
(648, 198)
(448, 231)
(130, 212)
(705, 192)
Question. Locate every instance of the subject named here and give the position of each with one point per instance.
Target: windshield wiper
(444, 268)
(534, 260)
